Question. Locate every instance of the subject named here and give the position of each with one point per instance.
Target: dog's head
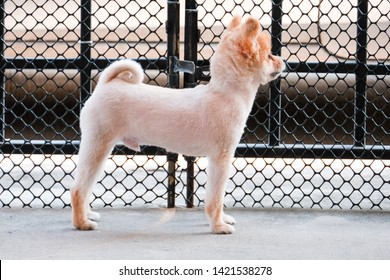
(246, 51)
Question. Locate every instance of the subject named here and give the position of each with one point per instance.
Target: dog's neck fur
(239, 81)
(239, 74)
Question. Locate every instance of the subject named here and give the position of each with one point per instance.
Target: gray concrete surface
(159, 233)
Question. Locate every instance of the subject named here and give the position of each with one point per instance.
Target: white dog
(207, 120)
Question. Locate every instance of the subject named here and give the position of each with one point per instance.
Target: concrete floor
(159, 233)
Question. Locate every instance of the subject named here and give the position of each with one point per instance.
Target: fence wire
(316, 138)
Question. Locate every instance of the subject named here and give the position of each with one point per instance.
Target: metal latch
(177, 65)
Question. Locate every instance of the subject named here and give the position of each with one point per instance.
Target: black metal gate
(317, 137)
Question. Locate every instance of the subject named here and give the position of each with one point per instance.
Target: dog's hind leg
(218, 175)
(91, 159)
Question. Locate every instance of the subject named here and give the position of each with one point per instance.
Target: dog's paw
(86, 225)
(228, 219)
(223, 229)
(93, 216)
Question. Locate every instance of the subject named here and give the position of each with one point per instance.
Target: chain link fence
(316, 138)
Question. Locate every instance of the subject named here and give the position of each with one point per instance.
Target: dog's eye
(270, 57)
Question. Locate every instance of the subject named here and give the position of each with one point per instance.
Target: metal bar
(157, 64)
(361, 74)
(326, 67)
(190, 183)
(318, 67)
(66, 147)
(243, 150)
(314, 151)
(152, 64)
(275, 96)
(85, 51)
(191, 38)
(171, 191)
(2, 70)
(173, 41)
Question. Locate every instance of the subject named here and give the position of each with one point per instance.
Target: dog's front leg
(218, 175)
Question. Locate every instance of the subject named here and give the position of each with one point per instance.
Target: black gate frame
(274, 148)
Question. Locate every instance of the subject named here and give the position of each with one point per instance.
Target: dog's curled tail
(126, 70)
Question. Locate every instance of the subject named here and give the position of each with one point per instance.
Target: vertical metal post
(2, 70)
(191, 38)
(361, 74)
(173, 44)
(190, 181)
(275, 97)
(173, 40)
(85, 51)
(172, 159)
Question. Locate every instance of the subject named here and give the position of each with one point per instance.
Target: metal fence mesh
(317, 138)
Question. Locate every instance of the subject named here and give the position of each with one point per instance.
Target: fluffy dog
(207, 120)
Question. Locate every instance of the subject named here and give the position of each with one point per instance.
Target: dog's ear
(264, 41)
(235, 22)
(251, 27)
(247, 43)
